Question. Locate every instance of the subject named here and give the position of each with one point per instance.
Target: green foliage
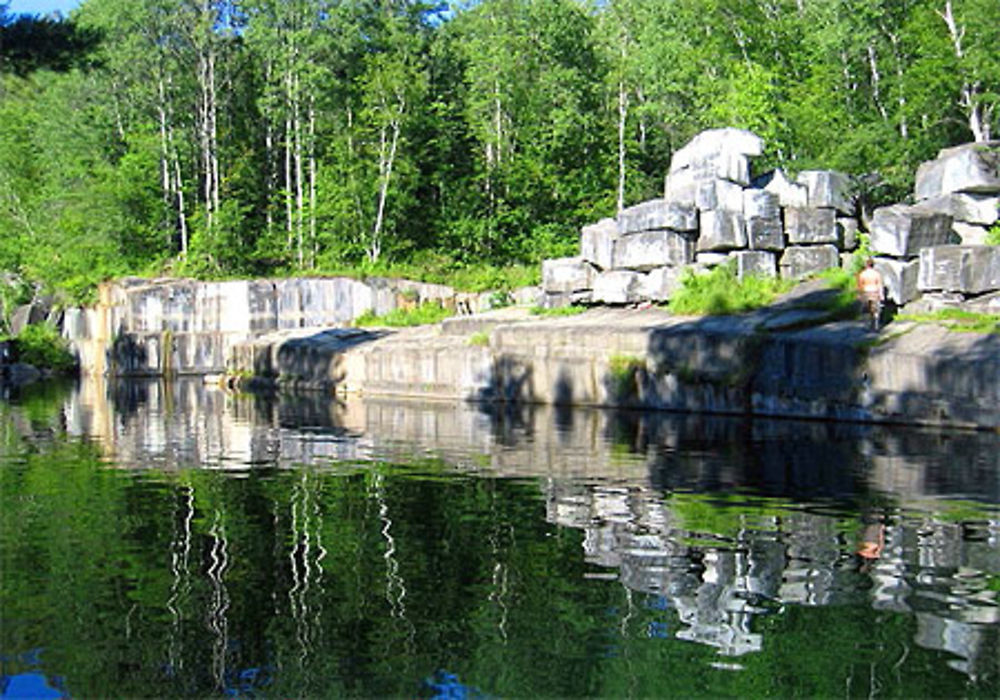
(427, 313)
(479, 339)
(571, 310)
(720, 292)
(622, 375)
(993, 237)
(958, 320)
(41, 345)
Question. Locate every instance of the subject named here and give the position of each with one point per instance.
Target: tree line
(263, 137)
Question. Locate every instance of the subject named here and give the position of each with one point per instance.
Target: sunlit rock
(901, 230)
(959, 268)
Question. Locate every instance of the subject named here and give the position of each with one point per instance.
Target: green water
(177, 541)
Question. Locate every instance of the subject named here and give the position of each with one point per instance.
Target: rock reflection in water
(724, 520)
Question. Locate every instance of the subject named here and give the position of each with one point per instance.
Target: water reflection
(725, 526)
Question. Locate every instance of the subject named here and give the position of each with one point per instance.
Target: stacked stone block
(935, 247)
(711, 213)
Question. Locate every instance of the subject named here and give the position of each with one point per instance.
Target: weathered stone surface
(801, 261)
(755, 263)
(808, 225)
(900, 279)
(566, 275)
(688, 188)
(660, 283)
(962, 206)
(847, 232)
(710, 259)
(644, 251)
(761, 204)
(985, 304)
(618, 287)
(970, 234)
(714, 142)
(765, 234)
(527, 296)
(558, 300)
(657, 214)
(827, 189)
(790, 194)
(597, 242)
(721, 230)
(901, 230)
(971, 167)
(958, 268)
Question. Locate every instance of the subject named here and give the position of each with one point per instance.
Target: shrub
(720, 292)
(42, 346)
(427, 313)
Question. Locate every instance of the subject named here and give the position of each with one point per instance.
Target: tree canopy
(256, 137)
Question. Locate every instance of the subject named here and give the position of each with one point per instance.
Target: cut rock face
(657, 214)
(564, 275)
(959, 268)
(597, 242)
(801, 261)
(827, 188)
(901, 230)
(900, 279)
(618, 287)
(721, 231)
(806, 225)
(644, 251)
(971, 167)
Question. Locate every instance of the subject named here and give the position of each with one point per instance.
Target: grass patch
(958, 320)
(479, 339)
(622, 373)
(558, 311)
(41, 345)
(993, 236)
(425, 314)
(719, 292)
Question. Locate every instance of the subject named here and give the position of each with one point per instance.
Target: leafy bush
(720, 292)
(993, 237)
(42, 346)
(427, 313)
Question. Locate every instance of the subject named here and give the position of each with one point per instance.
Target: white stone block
(899, 278)
(566, 275)
(790, 194)
(597, 242)
(644, 251)
(803, 261)
(721, 230)
(809, 225)
(901, 231)
(960, 268)
(971, 167)
(660, 283)
(755, 263)
(657, 214)
(828, 189)
(618, 287)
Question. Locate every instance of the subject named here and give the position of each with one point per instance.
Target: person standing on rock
(871, 289)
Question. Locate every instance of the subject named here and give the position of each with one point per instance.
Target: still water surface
(172, 540)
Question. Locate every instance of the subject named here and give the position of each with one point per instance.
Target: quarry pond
(170, 539)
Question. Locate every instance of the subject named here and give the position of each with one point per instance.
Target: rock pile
(934, 248)
(711, 212)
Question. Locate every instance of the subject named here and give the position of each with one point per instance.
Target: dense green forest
(268, 137)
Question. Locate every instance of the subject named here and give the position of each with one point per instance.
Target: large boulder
(755, 263)
(808, 225)
(649, 249)
(971, 167)
(565, 275)
(660, 283)
(688, 188)
(761, 204)
(657, 214)
(900, 279)
(827, 188)
(597, 242)
(798, 262)
(719, 153)
(959, 268)
(721, 230)
(618, 287)
(979, 209)
(902, 231)
(790, 194)
(847, 232)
